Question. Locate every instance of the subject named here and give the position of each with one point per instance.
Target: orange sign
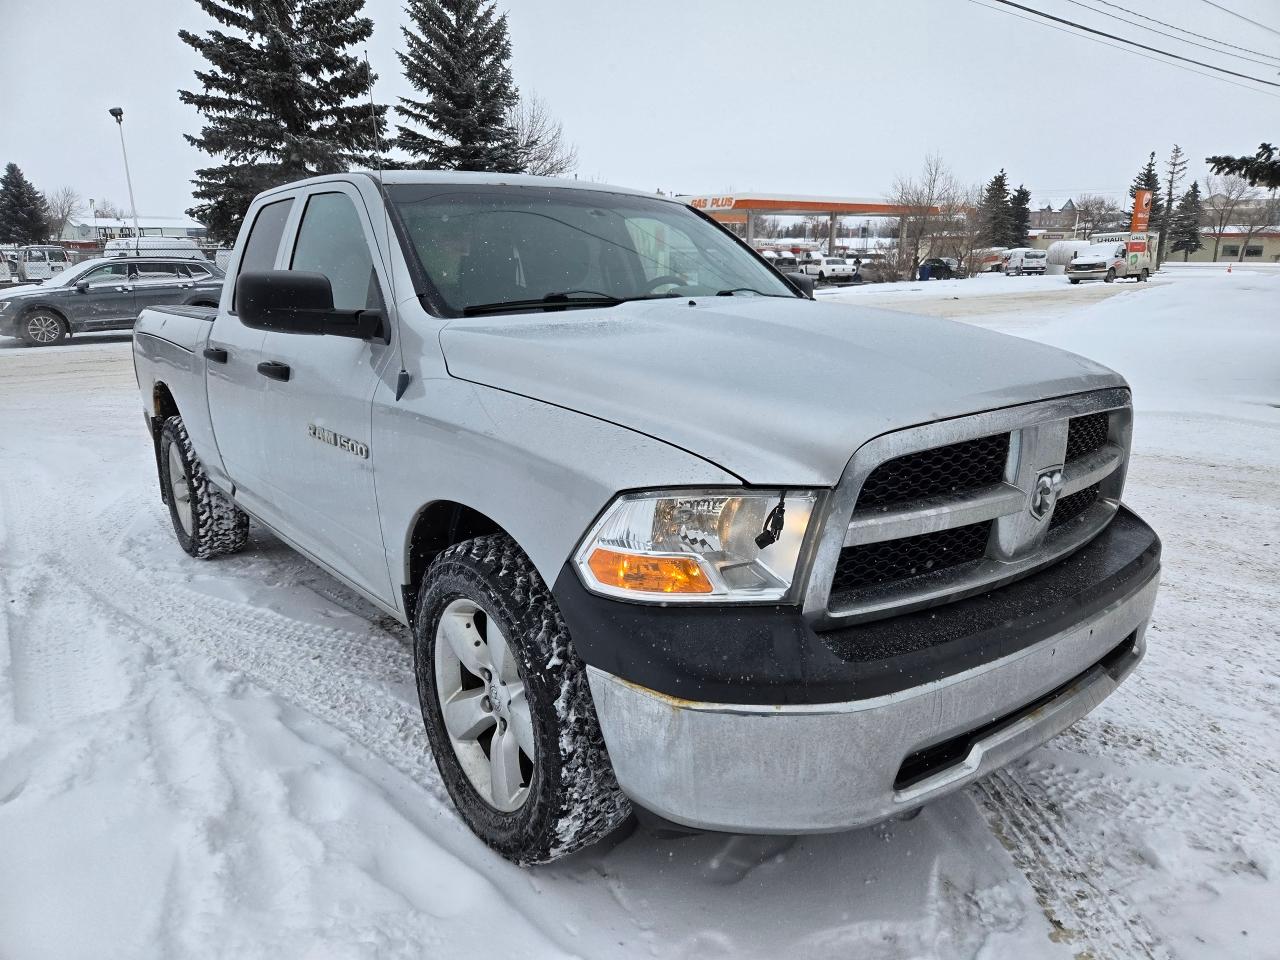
(1141, 212)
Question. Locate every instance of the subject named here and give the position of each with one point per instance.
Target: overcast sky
(700, 96)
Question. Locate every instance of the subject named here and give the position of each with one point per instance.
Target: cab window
(331, 241)
(110, 273)
(264, 238)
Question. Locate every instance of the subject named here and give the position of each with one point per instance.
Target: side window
(112, 273)
(159, 272)
(264, 238)
(331, 241)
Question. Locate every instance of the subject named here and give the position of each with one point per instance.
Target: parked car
(828, 269)
(877, 270)
(786, 263)
(990, 260)
(693, 544)
(104, 294)
(940, 268)
(1110, 261)
(1022, 260)
(38, 262)
(8, 270)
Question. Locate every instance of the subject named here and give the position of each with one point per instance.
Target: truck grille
(876, 563)
(929, 515)
(954, 468)
(1086, 435)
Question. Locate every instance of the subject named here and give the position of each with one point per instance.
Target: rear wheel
(206, 523)
(507, 708)
(43, 328)
(1144, 275)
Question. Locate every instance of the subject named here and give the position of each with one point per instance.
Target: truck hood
(777, 391)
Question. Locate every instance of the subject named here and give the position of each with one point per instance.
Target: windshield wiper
(553, 301)
(760, 293)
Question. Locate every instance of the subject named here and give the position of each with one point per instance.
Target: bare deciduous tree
(1255, 216)
(1096, 213)
(929, 204)
(63, 203)
(108, 210)
(540, 139)
(1222, 197)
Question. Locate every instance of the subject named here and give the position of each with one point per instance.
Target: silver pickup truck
(671, 536)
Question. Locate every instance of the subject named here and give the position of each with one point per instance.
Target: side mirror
(293, 301)
(83, 286)
(803, 281)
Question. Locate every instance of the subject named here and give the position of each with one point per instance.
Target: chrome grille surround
(1020, 542)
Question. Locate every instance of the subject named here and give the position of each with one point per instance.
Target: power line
(1202, 46)
(1190, 33)
(1145, 56)
(1135, 43)
(1241, 16)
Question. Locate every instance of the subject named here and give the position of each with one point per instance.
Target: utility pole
(133, 207)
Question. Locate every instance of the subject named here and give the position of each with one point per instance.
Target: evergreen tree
(24, 216)
(1261, 170)
(1175, 170)
(1019, 217)
(994, 211)
(282, 100)
(457, 53)
(1184, 230)
(1148, 179)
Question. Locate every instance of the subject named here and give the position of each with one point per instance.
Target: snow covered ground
(226, 760)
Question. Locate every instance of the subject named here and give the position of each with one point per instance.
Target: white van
(39, 262)
(1022, 260)
(180, 247)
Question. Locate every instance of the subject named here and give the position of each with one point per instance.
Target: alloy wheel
(180, 489)
(43, 328)
(484, 706)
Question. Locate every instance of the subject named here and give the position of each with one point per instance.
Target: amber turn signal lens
(629, 571)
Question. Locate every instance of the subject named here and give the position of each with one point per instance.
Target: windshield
(488, 245)
(1103, 251)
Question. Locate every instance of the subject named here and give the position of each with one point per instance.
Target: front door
(319, 419)
(108, 299)
(237, 391)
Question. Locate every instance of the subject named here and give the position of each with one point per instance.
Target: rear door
(236, 388)
(160, 282)
(320, 418)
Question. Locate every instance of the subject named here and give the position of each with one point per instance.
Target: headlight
(704, 546)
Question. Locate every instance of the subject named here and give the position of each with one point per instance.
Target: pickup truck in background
(829, 269)
(670, 535)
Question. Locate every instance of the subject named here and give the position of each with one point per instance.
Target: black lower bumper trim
(770, 654)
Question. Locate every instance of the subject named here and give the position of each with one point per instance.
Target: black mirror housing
(82, 286)
(295, 301)
(803, 281)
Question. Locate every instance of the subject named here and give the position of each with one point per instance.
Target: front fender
(543, 473)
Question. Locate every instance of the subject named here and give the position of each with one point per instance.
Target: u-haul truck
(1111, 256)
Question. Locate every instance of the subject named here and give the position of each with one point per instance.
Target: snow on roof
(183, 222)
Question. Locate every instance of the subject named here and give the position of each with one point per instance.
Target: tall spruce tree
(282, 100)
(456, 53)
(1175, 169)
(24, 215)
(1184, 230)
(1148, 179)
(994, 212)
(1019, 217)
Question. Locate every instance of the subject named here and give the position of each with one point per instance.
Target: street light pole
(133, 207)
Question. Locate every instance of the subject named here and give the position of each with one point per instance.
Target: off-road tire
(42, 328)
(1111, 275)
(574, 799)
(218, 526)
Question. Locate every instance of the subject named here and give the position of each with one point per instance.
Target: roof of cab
(463, 177)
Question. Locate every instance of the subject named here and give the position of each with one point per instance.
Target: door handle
(215, 354)
(274, 369)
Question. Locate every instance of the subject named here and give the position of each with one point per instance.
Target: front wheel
(43, 328)
(206, 523)
(1074, 281)
(1111, 275)
(507, 708)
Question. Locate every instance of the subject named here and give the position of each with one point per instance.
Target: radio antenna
(402, 379)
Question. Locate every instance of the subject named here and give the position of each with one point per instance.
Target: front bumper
(1099, 274)
(803, 768)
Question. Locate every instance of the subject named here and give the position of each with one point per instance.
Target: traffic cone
(1228, 268)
